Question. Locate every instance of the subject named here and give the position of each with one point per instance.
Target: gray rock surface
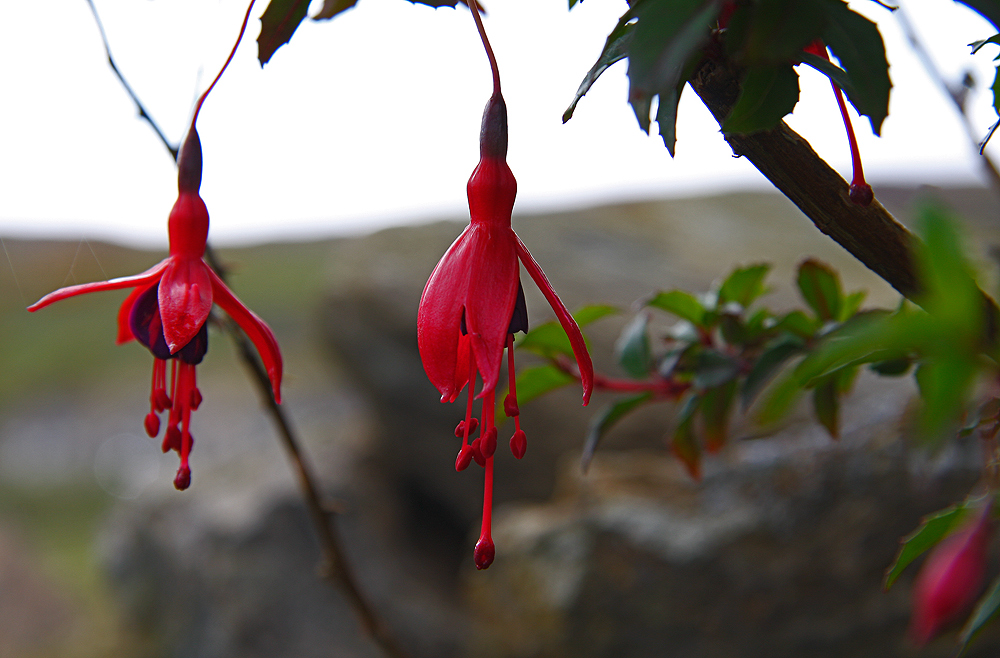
(779, 551)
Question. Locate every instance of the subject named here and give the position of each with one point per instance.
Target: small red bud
(464, 458)
(477, 452)
(510, 406)
(183, 479)
(460, 428)
(484, 553)
(518, 444)
(152, 424)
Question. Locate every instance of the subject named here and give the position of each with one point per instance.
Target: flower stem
(474, 7)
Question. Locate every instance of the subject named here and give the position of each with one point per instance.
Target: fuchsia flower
(169, 305)
(951, 579)
(473, 304)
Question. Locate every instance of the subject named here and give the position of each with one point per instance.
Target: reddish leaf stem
(474, 6)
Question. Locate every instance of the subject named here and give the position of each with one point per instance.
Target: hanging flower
(169, 306)
(473, 304)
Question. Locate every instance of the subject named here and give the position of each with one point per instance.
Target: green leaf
(666, 115)
(667, 40)
(682, 304)
(820, 287)
(777, 31)
(976, 45)
(892, 367)
(605, 420)
(593, 312)
(331, 8)
(716, 405)
(632, 347)
(857, 45)
(798, 323)
(945, 384)
(769, 362)
(744, 285)
(615, 50)
(277, 24)
(685, 442)
(549, 339)
(986, 610)
(714, 368)
(851, 304)
(826, 405)
(535, 382)
(995, 88)
(767, 95)
(933, 528)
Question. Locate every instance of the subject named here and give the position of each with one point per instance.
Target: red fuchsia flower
(168, 308)
(951, 579)
(473, 304)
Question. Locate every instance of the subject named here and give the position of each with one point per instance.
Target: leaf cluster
(665, 40)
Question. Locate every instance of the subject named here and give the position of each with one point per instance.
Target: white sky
(372, 119)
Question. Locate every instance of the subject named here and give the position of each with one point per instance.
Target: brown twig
(334, 567)
(869, 233)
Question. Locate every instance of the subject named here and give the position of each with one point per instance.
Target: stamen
(518, 442)
(460, 428)
(466, 454)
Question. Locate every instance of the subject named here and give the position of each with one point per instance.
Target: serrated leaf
(716, 405)
(277, 25)
(820, 287)
(766, 366)
(632, 347)
(615, 50)
(768, 94)
(682, 304)
(667, 36)
(985, 611)
(826, 406)
(932, 529)
(666, 115)
(605, 420)
(857, 45)
(976, 45)
(331, 8)
(744, 285)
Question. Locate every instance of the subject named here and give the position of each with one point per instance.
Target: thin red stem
(474, 6)
(859, 174)
(243, 28)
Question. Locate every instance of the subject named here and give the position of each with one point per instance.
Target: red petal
(439, 319)
(185, 298)
(148, 277)
(256, 330)
(491, 297)
(565, 319)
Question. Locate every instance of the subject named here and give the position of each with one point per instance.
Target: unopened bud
(477, 452)
(152, 424)
(464, 458)
(484, 553)
(460, 428)
(488, 443)
(183, 479)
